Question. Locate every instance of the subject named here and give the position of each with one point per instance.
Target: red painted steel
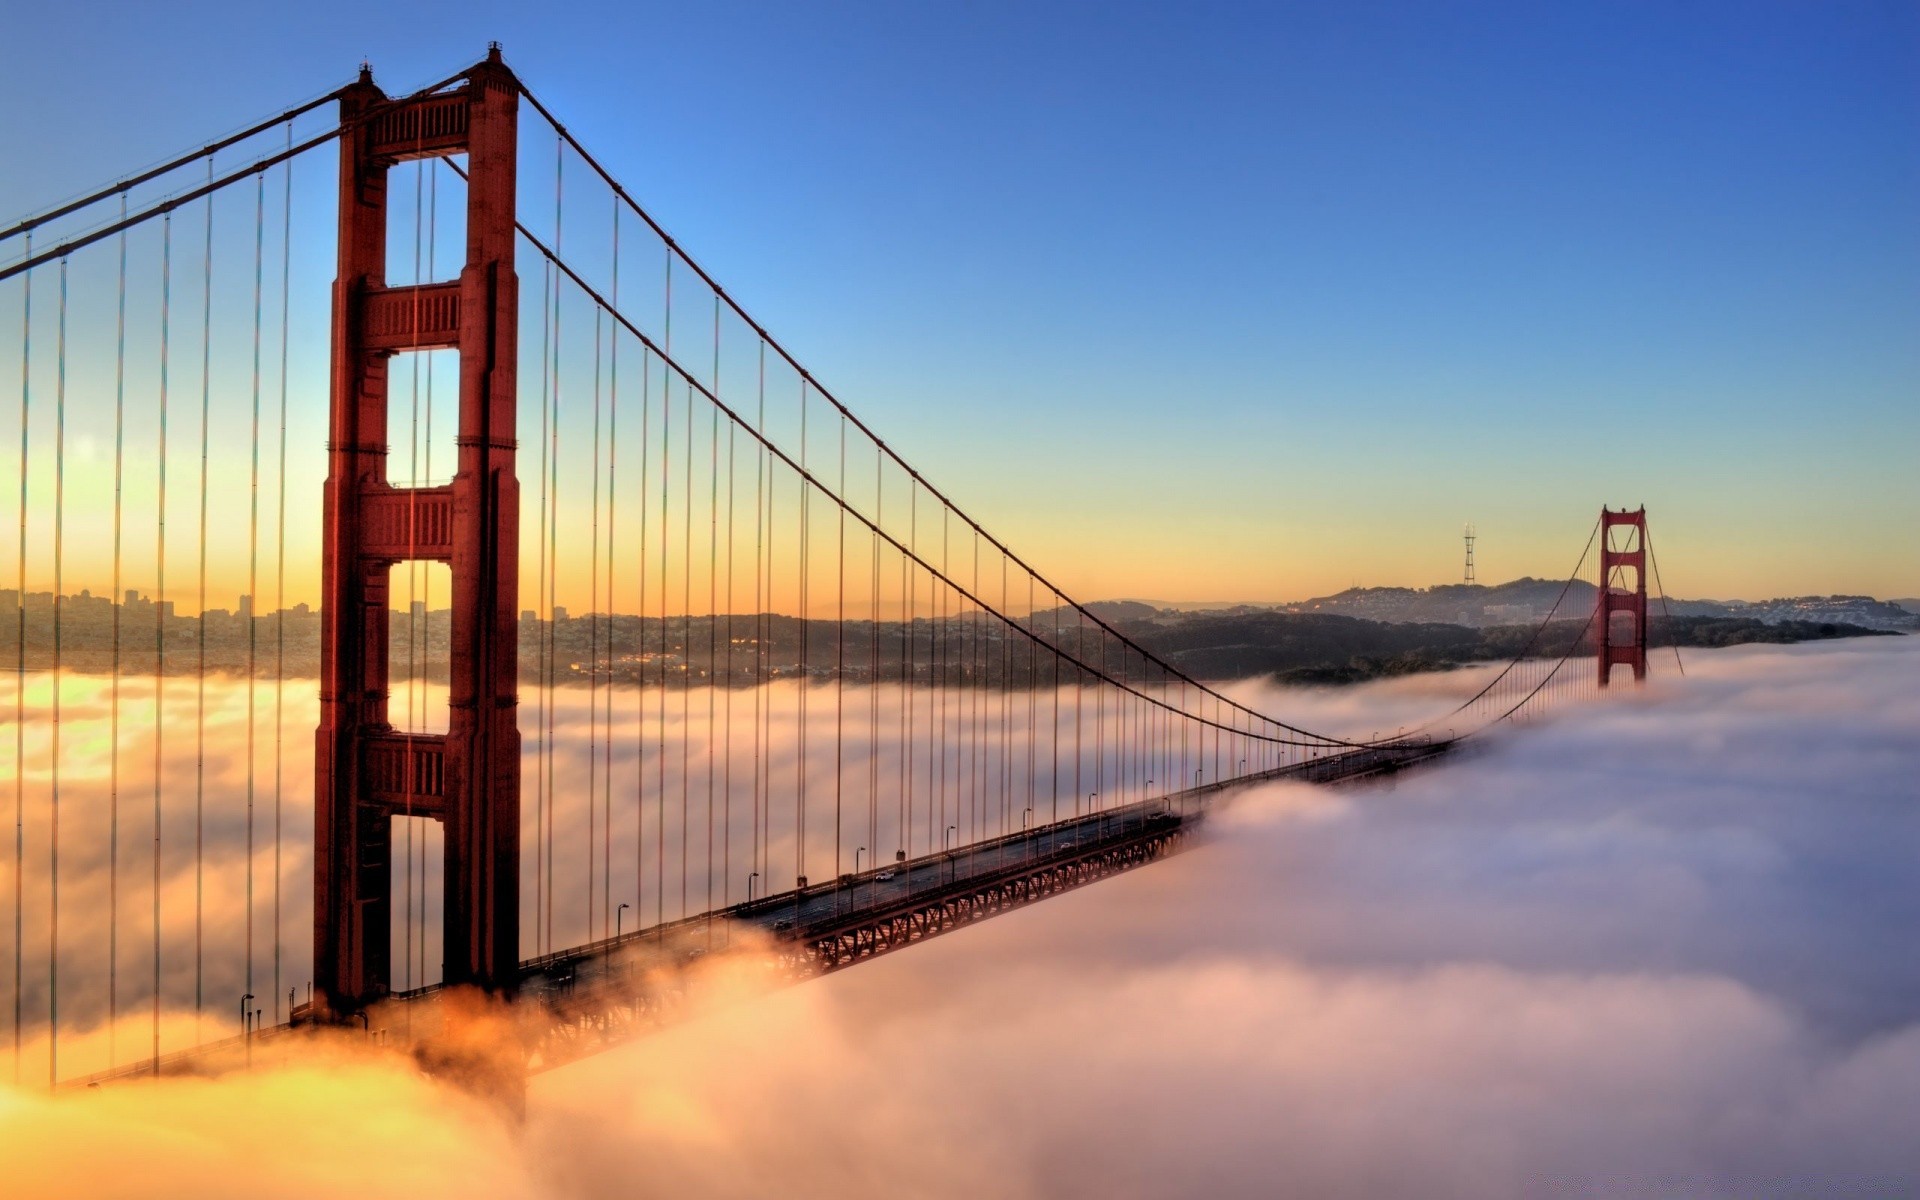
(1622, 641)
(364, 771)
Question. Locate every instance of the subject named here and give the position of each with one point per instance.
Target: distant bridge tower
(364, 771)
(1621, 622)
(1469, 535)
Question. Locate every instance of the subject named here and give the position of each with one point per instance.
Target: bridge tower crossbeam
(365, 771)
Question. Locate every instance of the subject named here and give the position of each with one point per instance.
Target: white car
(883, 876)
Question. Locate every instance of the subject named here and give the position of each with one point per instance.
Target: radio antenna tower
(1469, 537)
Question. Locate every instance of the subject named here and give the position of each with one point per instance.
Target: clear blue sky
(1272, 298)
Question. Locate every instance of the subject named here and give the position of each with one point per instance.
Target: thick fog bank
(1658, 946)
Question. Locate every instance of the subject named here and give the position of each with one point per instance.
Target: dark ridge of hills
(1530, 601)
(1314, 648)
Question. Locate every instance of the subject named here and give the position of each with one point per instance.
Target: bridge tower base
(365, 772)
(1620, 626)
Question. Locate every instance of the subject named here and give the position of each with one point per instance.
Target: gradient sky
(1226, 301)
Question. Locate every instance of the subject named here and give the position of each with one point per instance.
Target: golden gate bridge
(716, 669)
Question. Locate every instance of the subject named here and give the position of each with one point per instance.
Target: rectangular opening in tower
(423, 417)
(426, 221)
(417, 917)
(419, 646)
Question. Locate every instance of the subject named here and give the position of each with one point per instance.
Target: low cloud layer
(1657, 946)
(618, 785)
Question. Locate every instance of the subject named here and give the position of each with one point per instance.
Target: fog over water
(1658, 945)
(670, 801)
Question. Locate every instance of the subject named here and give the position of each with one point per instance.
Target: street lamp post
(751, 876)
(617, 914)
(246, 1034)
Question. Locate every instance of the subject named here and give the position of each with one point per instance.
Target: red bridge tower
(365, 772)
(1621, 622)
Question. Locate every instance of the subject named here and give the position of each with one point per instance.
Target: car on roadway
(883, 876)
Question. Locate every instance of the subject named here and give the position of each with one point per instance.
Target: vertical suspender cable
(726, 782)
(1032, 686)
(253, 544)
(593, 640)
(686, 656)
(20, 664)
(840, 662)
(644, 652)
(660, 759)
(904, 841)
(606, 725)
(160, 606)
(806, 624)
(116, 596)
(1056, 705)
(909, 667)
(552, 521)
(1080, 705)
(713, 581)
(613, 432)
(59, 583)
(873, 671)
(713, 622)
(280, 562)
(543, 919)
(942, 665)
(1100, 728)
(640, 701)
(759, 613)
(970, 714)
(1006, 701)
(200, 675)
(666, 457)
(763, 629)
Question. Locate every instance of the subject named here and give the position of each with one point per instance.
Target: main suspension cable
(812, 483)
(167, 205)
(808, 379)
(121, 187)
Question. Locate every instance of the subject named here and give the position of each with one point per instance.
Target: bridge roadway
(580, 1000)
(588, 997)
